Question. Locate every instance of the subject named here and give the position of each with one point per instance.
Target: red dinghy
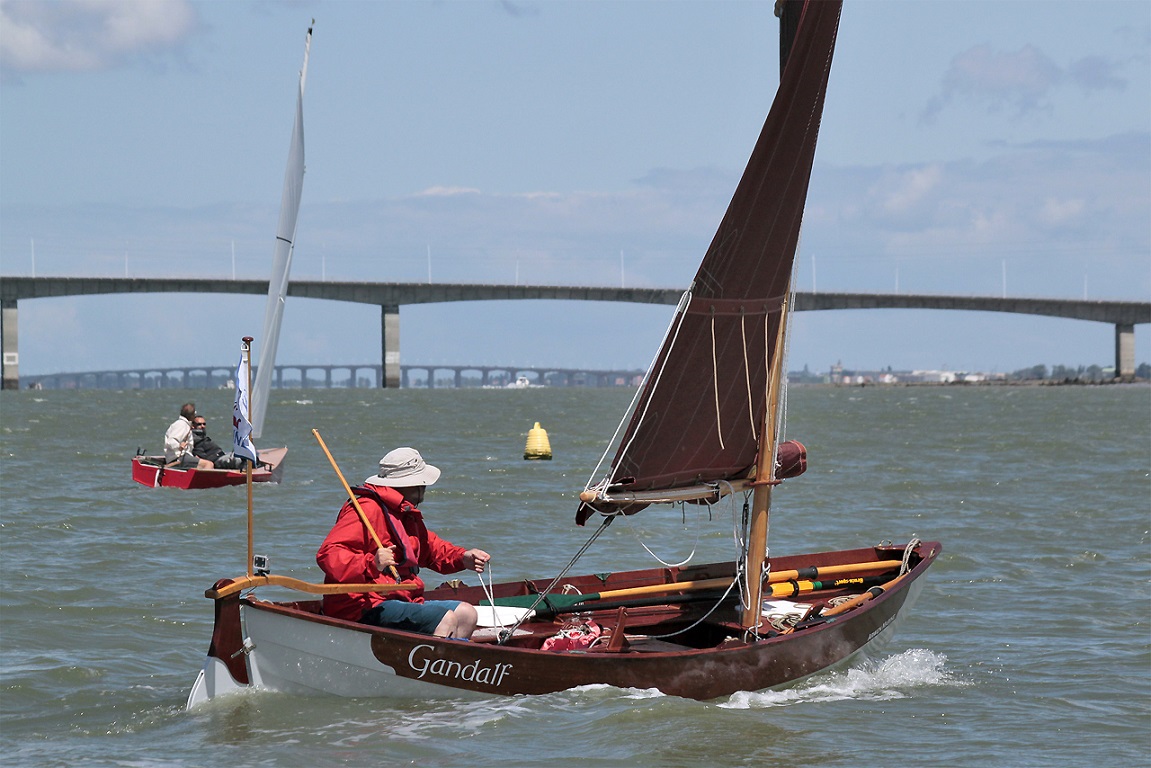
(150, 471)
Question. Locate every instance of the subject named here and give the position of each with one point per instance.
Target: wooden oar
(355, 503)
(248, 582)
(791, 589)
(821, 572)
(860, 599)
(780, 585)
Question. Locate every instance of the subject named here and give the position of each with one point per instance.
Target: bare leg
(466, 620)
(459, 623)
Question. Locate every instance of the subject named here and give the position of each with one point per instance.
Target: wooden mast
(789, 13)
(246, 352)
(764, 479)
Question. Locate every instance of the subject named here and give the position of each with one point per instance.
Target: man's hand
(476, 560)
(385, 558)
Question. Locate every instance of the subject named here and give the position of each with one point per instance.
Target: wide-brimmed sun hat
(404, 468)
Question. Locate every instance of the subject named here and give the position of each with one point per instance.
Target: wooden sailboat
(151, 470)
(705, 425)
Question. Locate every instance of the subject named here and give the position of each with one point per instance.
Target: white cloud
(910, 187)
(997, 79)
(1055, 211)
(1021, 81)
(447, 192)
(86, 35)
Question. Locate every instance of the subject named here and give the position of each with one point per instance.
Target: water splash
(895, 677)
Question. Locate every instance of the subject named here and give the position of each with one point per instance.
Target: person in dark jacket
(204, 447)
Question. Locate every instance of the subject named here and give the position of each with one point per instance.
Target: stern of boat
(146, 470)
(226, 668)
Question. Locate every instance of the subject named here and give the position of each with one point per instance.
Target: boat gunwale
(816, 626)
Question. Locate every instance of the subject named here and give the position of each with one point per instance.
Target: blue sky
(966, 148)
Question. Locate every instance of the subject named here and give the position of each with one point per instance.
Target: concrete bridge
(348, 376)
(389, 297)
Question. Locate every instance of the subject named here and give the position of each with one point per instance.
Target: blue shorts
(422, 618)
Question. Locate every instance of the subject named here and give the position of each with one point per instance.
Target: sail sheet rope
(694, 546)
(718, 602)
(508, 633)
(742, 534)
(737, 579)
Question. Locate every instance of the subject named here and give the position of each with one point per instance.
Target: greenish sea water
(1030, 644)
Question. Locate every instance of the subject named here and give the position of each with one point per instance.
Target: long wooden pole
(764, 479)
(246, 349)
(355, 502)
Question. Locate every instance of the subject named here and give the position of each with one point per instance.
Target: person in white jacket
(178, 441)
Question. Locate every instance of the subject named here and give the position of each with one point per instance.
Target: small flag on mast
(241, 427)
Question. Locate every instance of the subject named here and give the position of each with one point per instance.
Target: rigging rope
(488, 587)
(694, 546)
(507, 633)
(905, 566)
(701, 619)
(742, 541)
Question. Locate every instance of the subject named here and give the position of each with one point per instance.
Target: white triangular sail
(282, 261)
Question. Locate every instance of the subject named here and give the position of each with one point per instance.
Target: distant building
(846, 377)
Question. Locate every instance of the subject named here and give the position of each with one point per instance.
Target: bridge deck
(1124, 315)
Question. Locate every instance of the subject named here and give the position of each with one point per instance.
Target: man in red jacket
(349, 554)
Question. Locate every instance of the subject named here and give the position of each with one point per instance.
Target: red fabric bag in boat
(573, 638)
(790, 459)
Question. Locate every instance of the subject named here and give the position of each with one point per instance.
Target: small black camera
(260, 565)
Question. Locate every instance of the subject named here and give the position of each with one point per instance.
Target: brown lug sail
(706, 397)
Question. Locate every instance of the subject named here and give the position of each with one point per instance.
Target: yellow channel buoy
(537, 446)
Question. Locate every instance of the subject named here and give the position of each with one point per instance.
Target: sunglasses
(199, 423)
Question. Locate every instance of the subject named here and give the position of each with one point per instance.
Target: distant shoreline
(985, 383)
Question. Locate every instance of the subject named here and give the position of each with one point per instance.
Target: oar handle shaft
(822, 572)
(355, 502)
(780, 581)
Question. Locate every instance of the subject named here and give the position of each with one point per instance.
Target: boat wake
(895, 677)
